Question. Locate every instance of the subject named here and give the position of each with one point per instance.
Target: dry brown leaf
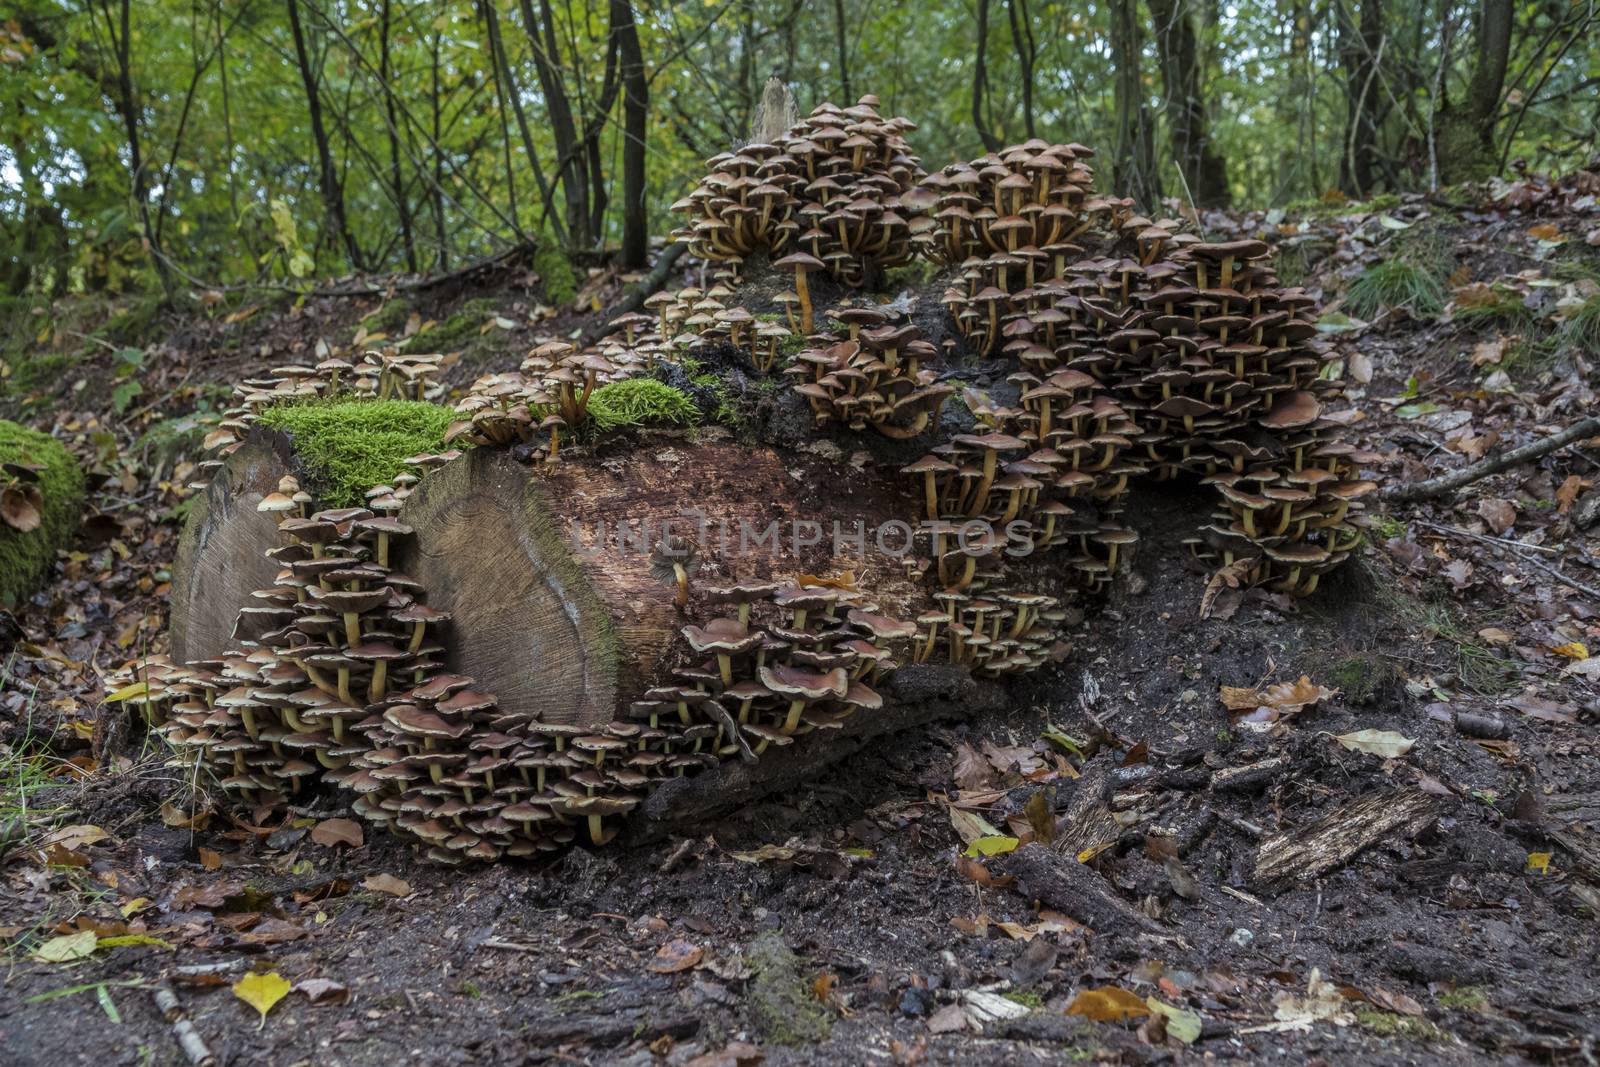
(1108, 1004)
(972, 771)
(1567, 494)
(1217, 601)
(677, 955)
(332, 832)
(1497, 514)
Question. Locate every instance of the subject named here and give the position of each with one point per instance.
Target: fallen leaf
(261, 991)
(1285, 698)
(949, 1019)
(1544, 710)
(1497, 514)
(1360, 367)
(1182, 1024)
(75, 837)
(333, 832)
(972, 771)
(974, 871)
(1567, 494)
(1041, 818)
(970, 826)
(387, 883)
(1385, 743)
(1182, 882)
(1219, 600)
(824, 986)
(1107, 1004)
(1322, 1003)
(675, 956)
(995, 845)
(67, 948)
(210, 859)
(323, 991)
(1539, 862)
(1572, 650)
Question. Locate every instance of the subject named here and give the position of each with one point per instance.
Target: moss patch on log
(780, 998)
(349, 446)
(24, 557)
(641, 401)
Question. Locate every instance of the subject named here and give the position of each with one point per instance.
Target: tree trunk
(554, 609)
(120, 34)
(1466, 131)
(635, 116)
(1204, 170)
(327, 173)
(1133, 165)
(572, 163)
(980, 83)
(1027, 55)
(1360, 49)
(396, 175)
(842, 41)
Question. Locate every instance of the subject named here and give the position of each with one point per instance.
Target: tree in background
(162, 144)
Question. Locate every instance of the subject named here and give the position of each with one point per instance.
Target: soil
(836, 923)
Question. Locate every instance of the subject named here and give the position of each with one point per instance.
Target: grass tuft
(1396, 283)
(349, 446)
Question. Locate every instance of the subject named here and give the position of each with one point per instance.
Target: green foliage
(25, 557)
(457, 333)
(1396, 283)
(350, 446)
(640, 401)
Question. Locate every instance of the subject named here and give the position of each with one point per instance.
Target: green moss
(1026, 997)
(1338, 206)
(25, 557)
(779, 996)
(350, 446)
(459, 332)
(1467, 998)
(388, 318)
(556, 273)
(641, 401)
(1390, 1024)
(1396, 283)
(1359, 677)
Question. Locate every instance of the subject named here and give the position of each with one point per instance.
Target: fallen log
(1304, 853)
(546, 570)
(1060, 882)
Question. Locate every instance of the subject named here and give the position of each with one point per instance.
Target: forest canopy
(160, 145)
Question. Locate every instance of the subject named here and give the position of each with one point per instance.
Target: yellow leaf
(970, 826)
(1094, 850)
(261, 991)
(127, 940)
(67, 948)
(1572, 650)
(1108, 1004)
(128, 692)
(134, 907)
(1539, 862)
(995, 845)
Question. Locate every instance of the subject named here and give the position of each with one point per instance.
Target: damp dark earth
(1214, 676)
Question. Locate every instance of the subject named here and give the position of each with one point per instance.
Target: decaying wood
(1076, 890)
(1304, 853)
(918, 694)
(1250, 775)
(545, 569)
(220, 557)
(1445, 483)
(188, 1038)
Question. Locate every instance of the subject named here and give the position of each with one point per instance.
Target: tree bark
(396, 175)
(842, 43)
(980, 83)
(1466, 131)
(128, 110)
(635, 117)
(327, 173)
(1204, 170)
(1027, 55)
(1360, 49)
(1133, 161)
(572, 165)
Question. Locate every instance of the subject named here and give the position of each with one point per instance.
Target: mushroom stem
(791, 722)
(596, 833)
(344, 686)
(352, 628)
(682, 576)
(383, 549)
(805, 300)
(380, 671)
(981, 495)
(725, 665)
(555, 443)
(416, 638)
(250, 727)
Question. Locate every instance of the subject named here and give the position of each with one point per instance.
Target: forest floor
(1453, 923)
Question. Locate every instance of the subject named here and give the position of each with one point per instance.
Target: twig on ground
(189, 1039)
(507, 946)
(1432, 487)
(1515, 548)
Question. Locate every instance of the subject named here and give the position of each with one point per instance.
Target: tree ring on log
(221, 557)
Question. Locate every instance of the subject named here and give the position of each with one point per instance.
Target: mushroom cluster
(833, 190)
(548, 394)
(787, 659)
(998, 633)
(379, 373)
(871, 373)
